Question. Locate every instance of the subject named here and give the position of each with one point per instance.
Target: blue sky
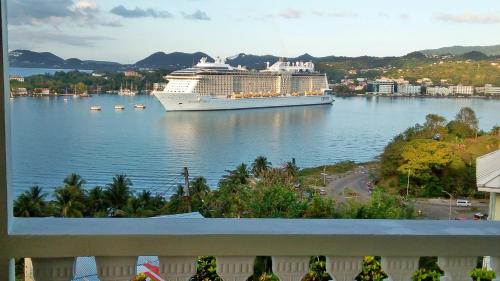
(129, 30)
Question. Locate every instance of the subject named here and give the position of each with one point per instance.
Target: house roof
(488, 172)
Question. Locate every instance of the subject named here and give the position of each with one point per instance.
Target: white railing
(53, 243)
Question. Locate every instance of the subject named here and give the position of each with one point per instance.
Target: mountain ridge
(179, 60)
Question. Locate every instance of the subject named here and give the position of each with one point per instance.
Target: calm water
(25, 72)
(52, 137)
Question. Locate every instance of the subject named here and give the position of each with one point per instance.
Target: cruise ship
(220, 86)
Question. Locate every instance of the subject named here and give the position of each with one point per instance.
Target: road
(354, 181)
(439, 209)
(341, 187)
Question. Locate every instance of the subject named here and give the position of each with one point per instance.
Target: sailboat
(126, 91)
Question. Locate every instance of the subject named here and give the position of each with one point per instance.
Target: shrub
(482, 274)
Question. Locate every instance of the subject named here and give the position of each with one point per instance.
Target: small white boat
(65, 99)
(140, 106)
(119, 107)
(95, 108)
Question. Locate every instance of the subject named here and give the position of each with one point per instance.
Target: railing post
(344, 268)
(235, 268)
(7, 269)
(456, 268)
(116, 268)
(177, 268)
(290, 268)
(399, 268)
(495, 266)
(53, 269)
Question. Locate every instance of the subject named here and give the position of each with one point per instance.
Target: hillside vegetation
(437, 156)
(476, 73)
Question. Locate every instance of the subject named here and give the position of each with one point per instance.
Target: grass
(313, 176)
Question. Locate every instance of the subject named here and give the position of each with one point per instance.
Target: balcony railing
(116, 243)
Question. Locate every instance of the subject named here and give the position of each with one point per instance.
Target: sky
(126, 31)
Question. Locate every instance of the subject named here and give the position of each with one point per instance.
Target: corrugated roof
(488, 172)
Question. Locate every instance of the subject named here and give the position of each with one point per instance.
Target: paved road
(356, 181)
(439, 209)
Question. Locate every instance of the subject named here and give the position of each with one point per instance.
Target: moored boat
(95, 108)
(119, 107)
(139, 106)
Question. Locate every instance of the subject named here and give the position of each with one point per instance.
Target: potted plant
(482, 274)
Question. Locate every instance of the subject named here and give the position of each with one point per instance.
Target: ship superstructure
(218, 86)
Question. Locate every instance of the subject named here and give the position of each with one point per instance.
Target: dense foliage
(75, 81)
(437, 156)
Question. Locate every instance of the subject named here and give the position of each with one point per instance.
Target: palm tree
(74, 180)
(290, 168)
(118, 192)
(240, 175)
(97, 204)
(259, 165)
(31, 203)
(68, 202)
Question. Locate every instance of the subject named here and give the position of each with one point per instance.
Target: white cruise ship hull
(193, 102)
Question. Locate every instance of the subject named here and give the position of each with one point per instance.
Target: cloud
(17, 39)
(467, 17)
(56, 13)
(198, 15)
(335, 14)
(139, 13)
(291, 14)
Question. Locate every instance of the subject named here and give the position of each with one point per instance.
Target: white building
(488, 90)
(409, 89)
(382, 87)
(488, 180)
(17, 78)
(437, 91)
(461, 90)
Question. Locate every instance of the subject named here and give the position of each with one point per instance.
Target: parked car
(480, 216)
(463, 203)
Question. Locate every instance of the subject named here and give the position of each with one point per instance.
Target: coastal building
(381, 86)
(20, 92)
(488, 90)
(425, 82)
(409, 89)
(17, 78)
(41, 91)
(132, 73)
(461, 90)
(488, 180)
(437, 91)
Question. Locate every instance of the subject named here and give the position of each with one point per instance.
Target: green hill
(493, 50)
(475, 73)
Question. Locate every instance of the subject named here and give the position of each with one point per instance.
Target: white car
(463, 203)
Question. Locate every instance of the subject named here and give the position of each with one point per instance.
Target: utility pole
(449, 214)
(324, 175)
(186, 188)
(408, 185)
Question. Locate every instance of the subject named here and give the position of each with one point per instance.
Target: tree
(31, 203)
(70, 199)
(240, 175)
(117, 193)
(97, 205)
(259, 165)
(68, 202)
(74, 180)
(467, 116)
(291, 168)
